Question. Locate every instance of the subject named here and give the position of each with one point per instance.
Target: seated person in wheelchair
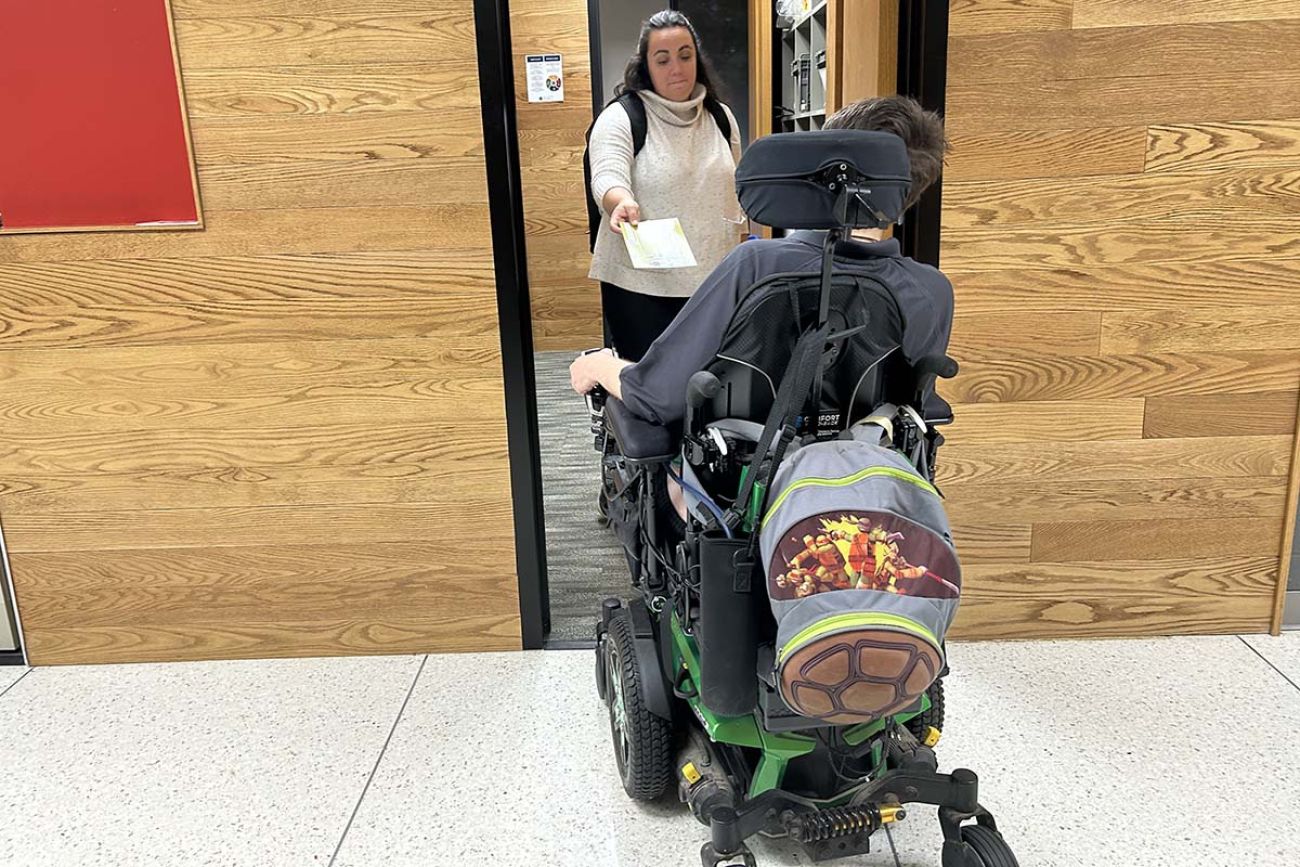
(808, 587)
(654, 388)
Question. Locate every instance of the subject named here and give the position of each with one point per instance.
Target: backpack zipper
(901, 475)
(857, 618)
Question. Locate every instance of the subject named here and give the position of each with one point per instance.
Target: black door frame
(509, 255)
(597, 63)
(922, 74)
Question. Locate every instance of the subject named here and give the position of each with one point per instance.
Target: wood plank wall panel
(1135, 232)
(761, 23)
(864, 51)
(552, 137)
(284, 435)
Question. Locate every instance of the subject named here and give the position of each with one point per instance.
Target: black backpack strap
(791, 397)
(719, 117)
(635, 109)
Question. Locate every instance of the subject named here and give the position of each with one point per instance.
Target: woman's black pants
(633, 320)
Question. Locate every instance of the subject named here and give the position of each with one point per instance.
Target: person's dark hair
(637, 74)
(920, 130)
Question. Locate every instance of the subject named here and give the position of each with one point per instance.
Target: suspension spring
(838, 822)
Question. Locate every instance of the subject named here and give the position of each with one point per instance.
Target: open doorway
(584, 562)
(578, 561)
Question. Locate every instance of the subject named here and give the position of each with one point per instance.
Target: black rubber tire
(988, 844)
(602, 508)
(931, 717)
(646, 767)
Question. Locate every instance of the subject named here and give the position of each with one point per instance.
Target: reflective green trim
(892, 472)
(851, 621)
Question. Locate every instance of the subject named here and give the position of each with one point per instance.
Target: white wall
(620, 25)
(719, 22)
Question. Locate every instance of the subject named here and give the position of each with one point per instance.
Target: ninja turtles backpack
(862, 577)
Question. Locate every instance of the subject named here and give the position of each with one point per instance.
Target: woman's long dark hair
(637, 74)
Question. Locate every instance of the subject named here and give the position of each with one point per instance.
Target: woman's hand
(626, 211)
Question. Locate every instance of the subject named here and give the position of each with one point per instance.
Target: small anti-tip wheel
(990, 849)
(742, 858)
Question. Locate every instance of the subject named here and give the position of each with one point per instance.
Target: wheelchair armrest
(638, 439)
(936, 411)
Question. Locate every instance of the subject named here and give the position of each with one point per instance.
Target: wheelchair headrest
(825, 179)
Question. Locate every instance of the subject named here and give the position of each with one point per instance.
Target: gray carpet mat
(584, 562)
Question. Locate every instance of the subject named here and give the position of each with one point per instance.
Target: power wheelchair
(685, 666)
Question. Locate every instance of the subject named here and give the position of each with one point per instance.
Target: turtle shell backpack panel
(862, 576)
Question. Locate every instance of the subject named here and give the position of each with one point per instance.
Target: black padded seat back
(858, 371)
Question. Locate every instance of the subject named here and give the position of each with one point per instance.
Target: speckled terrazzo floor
(1134, 753)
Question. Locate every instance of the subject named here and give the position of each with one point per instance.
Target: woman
(686, 169)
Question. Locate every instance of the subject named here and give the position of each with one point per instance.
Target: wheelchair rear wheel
(643, 742)
(933, 717)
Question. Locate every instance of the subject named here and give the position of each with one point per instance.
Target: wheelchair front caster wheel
(980, 846)
(602, 509)
(740, 858)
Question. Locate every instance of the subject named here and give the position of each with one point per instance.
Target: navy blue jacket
(655, 387)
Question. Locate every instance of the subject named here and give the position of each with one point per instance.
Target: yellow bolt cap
(890, 813)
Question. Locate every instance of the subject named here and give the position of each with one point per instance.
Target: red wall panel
(92, 125)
